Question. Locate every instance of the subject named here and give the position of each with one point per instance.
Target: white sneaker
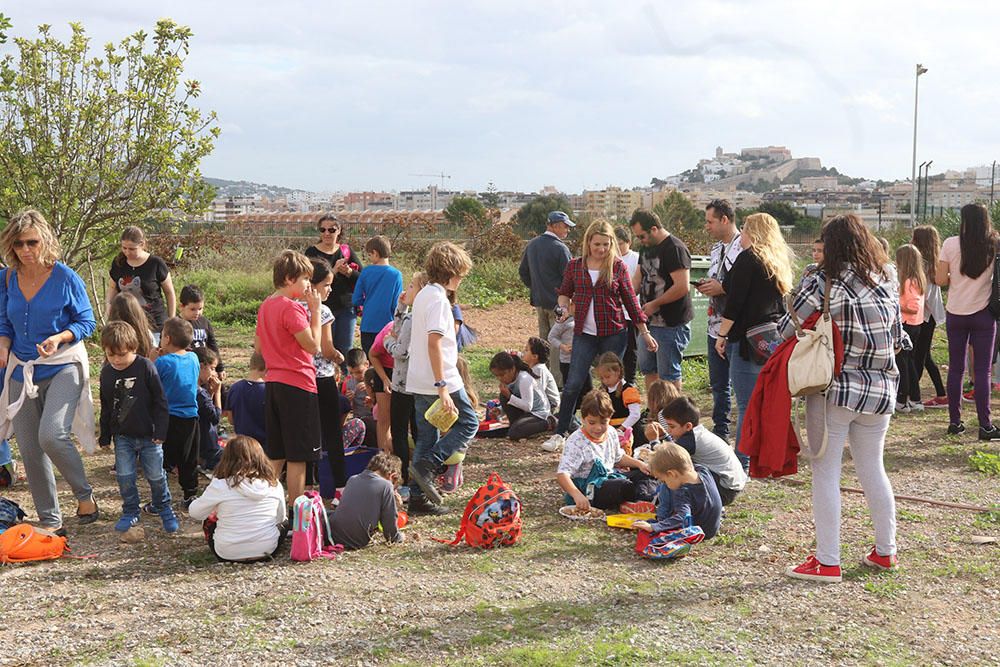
(554, 443)
(903, 408)
(915, 406)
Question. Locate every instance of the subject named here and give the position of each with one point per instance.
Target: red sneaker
(637, 507)
(936, 402)
(880, 562)
(813, 570)
(969, 396)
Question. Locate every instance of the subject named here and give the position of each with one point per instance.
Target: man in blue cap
(542, 268)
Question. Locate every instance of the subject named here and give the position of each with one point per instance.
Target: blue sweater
(378, 290)
(542, 267)
(701, 501)
(179, 375)
(60, 305)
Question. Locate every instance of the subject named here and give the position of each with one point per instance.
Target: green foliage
(492, 282)
(491, 198)
(531, 219)
(98, 141)
(461, 211)
(232, 295)
(682, 218)
(4, 25)
(987, 463)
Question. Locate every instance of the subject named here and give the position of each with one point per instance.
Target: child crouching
(369, 499)
(586, 470)
(248, 502)
(686, 490)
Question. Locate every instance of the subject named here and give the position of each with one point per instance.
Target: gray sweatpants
(42, 428)
(867, 437)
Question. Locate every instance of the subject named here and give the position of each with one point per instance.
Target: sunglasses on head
(328, 230)
(31, 243)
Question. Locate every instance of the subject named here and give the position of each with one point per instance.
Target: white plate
(595, 514)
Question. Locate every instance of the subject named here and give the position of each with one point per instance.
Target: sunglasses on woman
(31, 243)
(328, 230)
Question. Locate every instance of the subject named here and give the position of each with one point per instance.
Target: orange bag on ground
(492, 518)
(23, 543)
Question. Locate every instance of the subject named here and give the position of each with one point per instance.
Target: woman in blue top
(46, 306)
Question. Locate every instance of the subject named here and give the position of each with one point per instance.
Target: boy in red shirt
(287, 336)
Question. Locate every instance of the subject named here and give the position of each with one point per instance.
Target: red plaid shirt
(607, 299)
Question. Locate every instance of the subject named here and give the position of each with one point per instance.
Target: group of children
(161, 406)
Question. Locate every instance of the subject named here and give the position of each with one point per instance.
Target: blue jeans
(151, 457)
(743, 374)
(427, 444)
(666, 361)
(722, 403)
(343, 331)
(586, 348)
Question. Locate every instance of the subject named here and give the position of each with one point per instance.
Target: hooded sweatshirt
(249, 515)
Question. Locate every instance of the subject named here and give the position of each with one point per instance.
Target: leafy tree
(4, 25)
(784, 213)
(96, 142)
(491, 198)
(531, 218)
(678, 214)
(461, 210)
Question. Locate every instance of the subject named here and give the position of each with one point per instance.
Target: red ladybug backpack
(492, 518)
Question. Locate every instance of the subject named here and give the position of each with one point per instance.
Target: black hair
(645, 219)
(682, 411)
(505, 361)
(976, 239)
(539, 348)
(321, 269)
(355, 357)
(722, 207)
(623, 234)
(191, 294)
(206, 355)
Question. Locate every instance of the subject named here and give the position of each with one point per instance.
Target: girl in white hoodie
(247, 501)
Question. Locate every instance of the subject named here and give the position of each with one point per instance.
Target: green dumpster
(698, 347)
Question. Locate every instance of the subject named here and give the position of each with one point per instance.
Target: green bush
(492, 282)
(232, 296)
(987, 463)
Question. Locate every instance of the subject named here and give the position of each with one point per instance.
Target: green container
(698, 347)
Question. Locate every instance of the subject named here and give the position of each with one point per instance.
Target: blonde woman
(599, 288)
(755, 289)
(44, 320)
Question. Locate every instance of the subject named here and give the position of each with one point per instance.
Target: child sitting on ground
(658, 396)
(203, 335)
(686, 490)
(134, 414)
(357, 390)
(706, 448)
(179, 371)
(209, 409)
(586, 471)
(245, 402)
(536, 355)
(248, 503)
(624, 396)
(527, 408)
(369, 499)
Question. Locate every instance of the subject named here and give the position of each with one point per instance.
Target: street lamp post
(913, 177)
(993, 180)
(920, 186)
(927, 183)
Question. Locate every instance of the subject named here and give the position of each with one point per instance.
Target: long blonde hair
(602, 227)
(768, 245)
(910, 266)
(49, 252)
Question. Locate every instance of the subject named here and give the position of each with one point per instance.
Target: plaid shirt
(870, 324)
(607, 299)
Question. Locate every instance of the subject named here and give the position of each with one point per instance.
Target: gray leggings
(867, 436)
(42, 428)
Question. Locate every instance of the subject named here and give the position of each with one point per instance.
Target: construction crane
(442, 176)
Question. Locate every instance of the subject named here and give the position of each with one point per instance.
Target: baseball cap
(559, 216)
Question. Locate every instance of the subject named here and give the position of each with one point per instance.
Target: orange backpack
(24, 542)
(492, 518)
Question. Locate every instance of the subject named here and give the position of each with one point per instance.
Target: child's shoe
(813, 570)
(169, 519)
(969, 396)
(186, 503)
(903, 407)
(126, 522)
(991, 433)
(452, 479)
(554, 443)
(936, 402)
(880, 562)
(915, 406)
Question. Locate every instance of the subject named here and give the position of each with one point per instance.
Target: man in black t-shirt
(665, 264)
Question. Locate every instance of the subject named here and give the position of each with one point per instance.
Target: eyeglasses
(328, 230)
(31, 243)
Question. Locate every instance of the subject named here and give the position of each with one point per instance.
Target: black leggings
(331, 427)
(402, 421)
(922, 358)
(909, 384)
(522, 424)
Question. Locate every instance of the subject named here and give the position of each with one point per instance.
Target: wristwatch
(439, 384)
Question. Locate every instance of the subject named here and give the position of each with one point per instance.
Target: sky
(373, 95)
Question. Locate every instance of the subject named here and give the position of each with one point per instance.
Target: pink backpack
(309, 521)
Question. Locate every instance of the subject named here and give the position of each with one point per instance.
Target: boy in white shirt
(433, 375)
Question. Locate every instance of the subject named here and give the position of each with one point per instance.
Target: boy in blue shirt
(179, 371)
(245, 402)
(378, 290)
(685, 489)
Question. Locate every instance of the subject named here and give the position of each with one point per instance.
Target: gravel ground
(568, 593)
